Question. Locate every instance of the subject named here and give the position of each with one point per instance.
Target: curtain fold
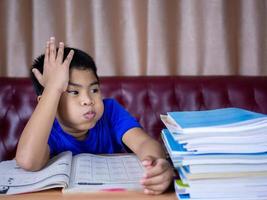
(140, 37)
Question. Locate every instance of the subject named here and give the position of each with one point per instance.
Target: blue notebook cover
(174, 145)
(216, 117)
(183, 196)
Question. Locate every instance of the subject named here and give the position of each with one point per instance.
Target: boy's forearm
(150, 148)
(32, 151)
(142, 144)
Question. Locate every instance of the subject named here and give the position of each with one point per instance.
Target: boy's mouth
(89, 115)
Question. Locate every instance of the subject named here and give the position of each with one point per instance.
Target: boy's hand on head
(158, 176)
(56, 70)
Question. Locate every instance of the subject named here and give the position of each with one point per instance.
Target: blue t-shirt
(104, 138)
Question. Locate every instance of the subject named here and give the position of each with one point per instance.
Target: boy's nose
(87, 100)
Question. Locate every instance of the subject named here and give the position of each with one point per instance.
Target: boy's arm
(33, 150)
(159, 173)
(142, 144)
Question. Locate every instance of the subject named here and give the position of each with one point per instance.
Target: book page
(90, 170)
(220, 168)
(17, 180)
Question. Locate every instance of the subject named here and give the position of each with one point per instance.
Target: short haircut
(80, 60)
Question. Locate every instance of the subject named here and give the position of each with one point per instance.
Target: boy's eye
(73, 92)
(94, 90)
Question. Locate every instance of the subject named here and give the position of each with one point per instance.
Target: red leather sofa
(146, 97)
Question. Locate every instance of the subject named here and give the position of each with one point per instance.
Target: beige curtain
(140, 37)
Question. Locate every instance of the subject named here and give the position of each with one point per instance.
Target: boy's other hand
(158, 176)
(56, 70)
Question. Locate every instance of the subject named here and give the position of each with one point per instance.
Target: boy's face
(81, 106)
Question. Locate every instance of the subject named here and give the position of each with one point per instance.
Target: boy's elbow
(27, 164)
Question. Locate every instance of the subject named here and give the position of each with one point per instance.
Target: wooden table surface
(56, 194)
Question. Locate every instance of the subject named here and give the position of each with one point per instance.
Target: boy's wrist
(51, 90)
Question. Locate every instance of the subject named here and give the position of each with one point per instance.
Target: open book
(79, 173)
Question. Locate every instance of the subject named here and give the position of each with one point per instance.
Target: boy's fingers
(60, 53)
(155, 180)
(46, 58)
(151, 192)
(158, 187)
(69, 58)
(161, 165)
(38, 76)
(148, 161)
(52, 49)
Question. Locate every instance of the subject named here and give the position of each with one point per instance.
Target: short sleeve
(52, 145)
(54, 140)
(121, 120)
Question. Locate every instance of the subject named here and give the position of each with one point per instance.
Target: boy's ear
(38, 98)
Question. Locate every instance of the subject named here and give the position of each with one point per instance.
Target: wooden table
(56, 194)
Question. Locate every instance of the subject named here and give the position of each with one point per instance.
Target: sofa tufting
(146, 97)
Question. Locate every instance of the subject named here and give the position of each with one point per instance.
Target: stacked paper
(219, 154)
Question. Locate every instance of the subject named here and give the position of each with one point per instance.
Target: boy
(71, 115)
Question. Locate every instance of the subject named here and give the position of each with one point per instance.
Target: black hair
(80, 60)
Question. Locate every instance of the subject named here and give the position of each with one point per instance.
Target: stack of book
(219, 154)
